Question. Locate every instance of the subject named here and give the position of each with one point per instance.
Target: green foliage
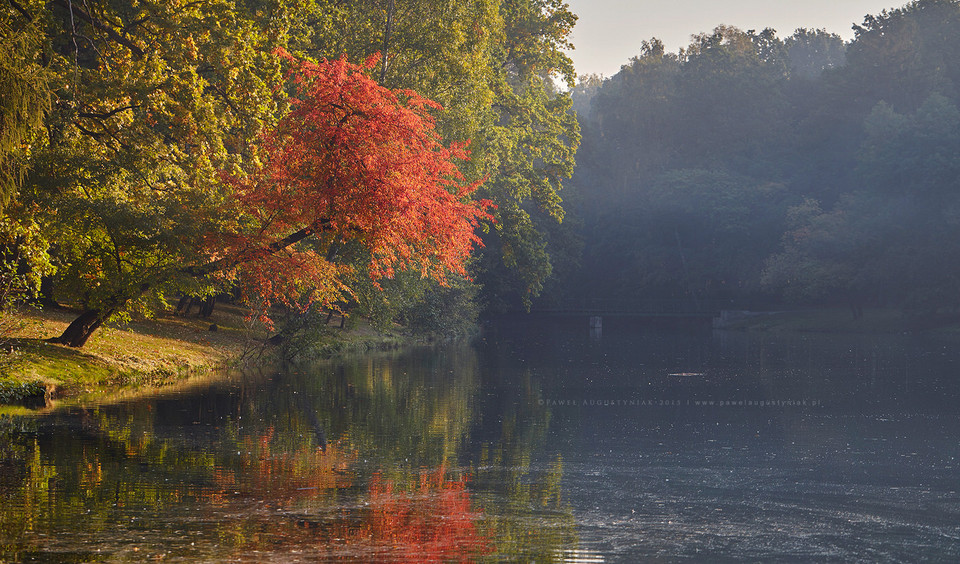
(900, 56)
(16, 392)
(491, 64)
(891, 240)
(916, 154)
(814, 265)
(529, 148)
(127, 183)
(24, 91)
(24, 261)
(445, 311)
(810, 52)
(121, 120)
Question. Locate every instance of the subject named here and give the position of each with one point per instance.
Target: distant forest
(752, 169)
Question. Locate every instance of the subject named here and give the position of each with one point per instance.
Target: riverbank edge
(148, 355)
(842, 320)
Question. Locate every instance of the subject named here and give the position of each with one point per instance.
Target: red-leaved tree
(352, 162)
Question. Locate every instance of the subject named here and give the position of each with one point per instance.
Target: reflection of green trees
(281, 461)
(412, 410)
(534, 522)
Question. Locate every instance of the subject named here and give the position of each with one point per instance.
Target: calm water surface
(540, 443)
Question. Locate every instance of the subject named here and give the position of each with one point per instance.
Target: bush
(30, 394)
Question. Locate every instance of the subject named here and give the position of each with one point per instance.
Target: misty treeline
(748, 168)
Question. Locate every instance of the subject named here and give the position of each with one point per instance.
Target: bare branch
(106, 115)
(23, 11)
(111, 33)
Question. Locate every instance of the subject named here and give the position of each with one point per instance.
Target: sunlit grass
(144, 353)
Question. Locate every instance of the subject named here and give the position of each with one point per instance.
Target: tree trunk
(45, 297)
(81, 328)
(183, 306)
(386, 43)
(77, 333)
(206, 307)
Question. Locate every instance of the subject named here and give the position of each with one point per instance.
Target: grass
(123, 360)
(138, 355)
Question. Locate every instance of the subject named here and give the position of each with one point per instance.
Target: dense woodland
(409, 161)
(753, 169)
(381, 157)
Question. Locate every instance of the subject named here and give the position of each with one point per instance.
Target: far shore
(842, 320)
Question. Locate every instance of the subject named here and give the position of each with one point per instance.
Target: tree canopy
(351, 161)
(163, 150)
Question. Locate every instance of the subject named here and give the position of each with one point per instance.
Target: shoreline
(841, 320)
(144, 355)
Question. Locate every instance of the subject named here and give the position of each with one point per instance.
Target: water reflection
(362, 459)
(538, 444)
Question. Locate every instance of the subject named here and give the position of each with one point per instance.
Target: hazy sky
(609, 32)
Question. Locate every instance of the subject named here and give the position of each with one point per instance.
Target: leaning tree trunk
(77, 333)
(81, 328)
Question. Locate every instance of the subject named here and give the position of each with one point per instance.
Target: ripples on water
(540, 443)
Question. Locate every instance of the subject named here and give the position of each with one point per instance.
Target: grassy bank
(841, 320)
(142, 355)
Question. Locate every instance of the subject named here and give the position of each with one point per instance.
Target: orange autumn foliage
(352, 161)
(432, 523)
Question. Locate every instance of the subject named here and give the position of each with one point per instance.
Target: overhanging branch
(23, 11)
(227, 263)
(111, 33)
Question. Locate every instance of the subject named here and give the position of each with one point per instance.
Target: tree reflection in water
(374, 458)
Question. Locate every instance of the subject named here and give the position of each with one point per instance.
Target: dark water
(542, 443)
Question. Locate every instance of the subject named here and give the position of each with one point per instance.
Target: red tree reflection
(431, 522)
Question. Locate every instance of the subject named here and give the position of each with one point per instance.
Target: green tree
(729, 102)
(917, 154)
(632, 123)
(891, 241)
(583, 93)
(810, 52)
(153, 173)
(901, 56)
(531, 144)
(822, 258)
(697, 235)
(151, 102)
(490, 64)
(24, 90)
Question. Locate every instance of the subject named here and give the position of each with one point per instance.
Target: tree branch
(225, 263)
(23, 11)
(111, 33)
(105, 115)
(226, 99)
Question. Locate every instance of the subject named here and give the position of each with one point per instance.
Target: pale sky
(609, 32)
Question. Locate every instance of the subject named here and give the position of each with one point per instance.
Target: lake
(540, 442)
